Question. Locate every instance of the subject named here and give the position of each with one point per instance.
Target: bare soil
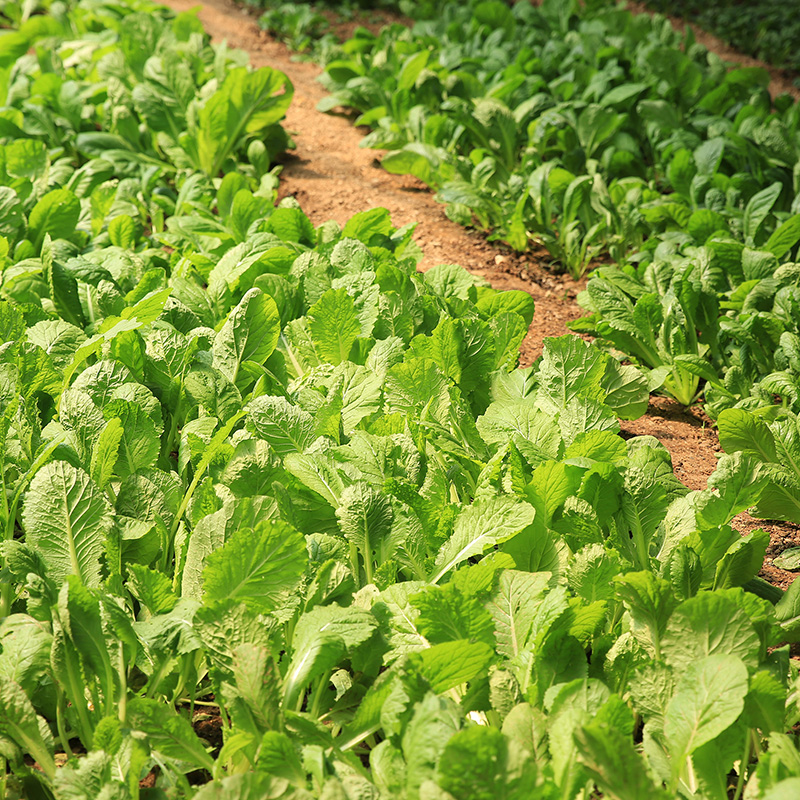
(332, 178)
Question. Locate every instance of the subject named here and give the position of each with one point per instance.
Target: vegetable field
(295, 507)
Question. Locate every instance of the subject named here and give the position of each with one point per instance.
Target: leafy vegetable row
(767, 29)
(112, 119)
(267, 468)
(590, 130)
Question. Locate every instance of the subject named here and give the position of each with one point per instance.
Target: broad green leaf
(711, 623)
(122, 232)
(785, 237)
(649, 600)
(25, 657)
(18, 721)
(68, 519)
(153, 589)
(434, 721)
(246, 103)
(448, 615)
(788, 559)
(255, 701)
(334, 325)
(256, 566)
(56, 214)
(535, 433)
(106, 452)
(250, 333)
(570, 368)
(450, 664)
(615, 766)
(514, 606)
(365, 518)
(480, 526)
(709, 698)
(80, 616)
(168, 732)
(321, 638)
(244, 786)
(139, 445)
(742, 561)
(758, 208)
(59, 339)
(474, 763)
(287, 427)
(741, 430)
(319, 473)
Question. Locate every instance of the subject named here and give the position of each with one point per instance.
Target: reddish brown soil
(332, 177)
(208, 725)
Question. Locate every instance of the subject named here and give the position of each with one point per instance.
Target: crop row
(271, 471)
(766, 29)
(592, 131)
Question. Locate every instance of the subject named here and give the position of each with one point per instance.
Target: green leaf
(711, 623)
(59, 339)
(288, 428)
(321, 638)
(480, 526)
(447, 615)
(789, 559)
(474, 764)
(365, 518)
(67, 518)
(739, 481)
(742, 561)
(122, 232)
(254, 702)
(434, 721)
(26, 642)
(153, 589)
(334, 325)
(106, 452)
(168, 733)
(570, 368)
(245, 786)
(785, 237)
(648, 599)
(709, 698)
(278, 756)
(535, 433)
(758, 209)
(18, 721)
(742, 430)
(514, 606)
(450, 664)
(56, 214)
(79, 614)
(611, 760)
(250, 333)
(139, 445)
(256, 566)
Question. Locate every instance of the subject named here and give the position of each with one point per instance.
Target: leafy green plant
(271, 477)
(766, 29)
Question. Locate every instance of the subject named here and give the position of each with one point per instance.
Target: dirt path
(332, 177)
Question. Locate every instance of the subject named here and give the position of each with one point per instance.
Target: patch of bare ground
(332, 177)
